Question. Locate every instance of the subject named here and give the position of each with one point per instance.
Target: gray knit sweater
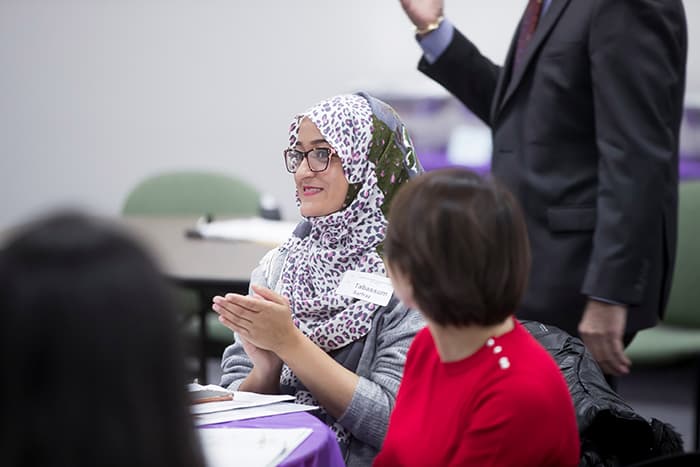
(380, 367)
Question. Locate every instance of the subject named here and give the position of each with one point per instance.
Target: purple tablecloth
(320, 449)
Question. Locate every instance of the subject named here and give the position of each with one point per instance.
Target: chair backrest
(684, 302)
(192, 193)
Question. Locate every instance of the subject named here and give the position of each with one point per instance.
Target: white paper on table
(251, 412)
(198, 391)
(241, 400)
(253, 229)
(196, 387)
(253, 447)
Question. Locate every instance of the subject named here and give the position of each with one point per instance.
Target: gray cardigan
(380, 367)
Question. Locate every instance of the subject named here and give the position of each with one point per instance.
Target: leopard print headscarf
(377, 157)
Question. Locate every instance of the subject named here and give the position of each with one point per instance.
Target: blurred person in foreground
(93, 367)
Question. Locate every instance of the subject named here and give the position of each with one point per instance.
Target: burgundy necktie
(527, 29)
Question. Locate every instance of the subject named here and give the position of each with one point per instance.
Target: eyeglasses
(317, 158)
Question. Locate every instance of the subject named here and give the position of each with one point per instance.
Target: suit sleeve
(637, 52)
(465, 73)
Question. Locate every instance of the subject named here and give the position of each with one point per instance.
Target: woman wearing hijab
(296, 333)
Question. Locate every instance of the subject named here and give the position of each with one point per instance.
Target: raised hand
(422, 12)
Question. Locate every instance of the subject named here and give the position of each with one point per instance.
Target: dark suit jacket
(585, 134)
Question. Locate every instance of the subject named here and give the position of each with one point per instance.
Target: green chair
(195, 193)
(192, 193)
(677, 338)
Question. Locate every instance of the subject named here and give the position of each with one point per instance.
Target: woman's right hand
(422, 12)
(265, 360)
(264, 378)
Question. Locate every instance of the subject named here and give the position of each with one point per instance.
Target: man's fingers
(608, 352)
(594, 346)
(619, 360)
(613, 356)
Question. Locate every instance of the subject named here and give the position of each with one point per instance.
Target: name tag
(365, 286)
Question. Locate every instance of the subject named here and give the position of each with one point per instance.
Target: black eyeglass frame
(305, 155)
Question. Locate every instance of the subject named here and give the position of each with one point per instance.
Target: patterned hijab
(377, 157)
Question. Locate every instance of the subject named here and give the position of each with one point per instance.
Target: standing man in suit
(585, 117)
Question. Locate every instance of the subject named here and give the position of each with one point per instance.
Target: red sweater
(506, 405)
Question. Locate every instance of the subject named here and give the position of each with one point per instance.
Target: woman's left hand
(265, 320)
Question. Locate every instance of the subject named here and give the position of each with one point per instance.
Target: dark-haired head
(461, 243)
(89, 352)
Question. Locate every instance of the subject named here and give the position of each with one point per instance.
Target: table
(210, 267)
(196, 262)
(320, 449)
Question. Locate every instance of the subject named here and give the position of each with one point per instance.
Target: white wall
(97, 94)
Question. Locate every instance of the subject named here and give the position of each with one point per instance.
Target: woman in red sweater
(477, 389)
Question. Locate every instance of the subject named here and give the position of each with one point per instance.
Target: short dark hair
(93, 369)
(462, 243)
